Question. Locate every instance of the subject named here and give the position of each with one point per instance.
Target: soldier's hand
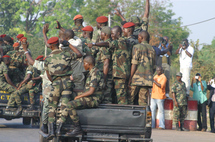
(90, 45)
(176, 104)
(45, 28)
(118, 13)
(65, 43)
(180, 45)
(77, 97)
(71, 78)
(24, 44)
(58, 25)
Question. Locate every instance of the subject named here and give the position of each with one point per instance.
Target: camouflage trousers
(142, 92)
(120, 86)
(45, 109)
(6, 87)
(16, 75)
(107, 97)
(84, 102)
(61, 88)
(179, 113)
(15, 96)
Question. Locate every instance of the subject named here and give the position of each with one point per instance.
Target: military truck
(109, 122)
(29, 117)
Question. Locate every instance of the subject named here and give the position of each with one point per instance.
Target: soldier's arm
(49, 76)
(79, 55)
(147, 9)
(133, 70)
(45, 31)
(37, 78)
(27, 78)
(9, 81)
(118, 13)
(28, 56)
(1, 52)
(177, 51)
(99, 44)
(59, 27)
(176, 103)
(105, 68)
(86, 94)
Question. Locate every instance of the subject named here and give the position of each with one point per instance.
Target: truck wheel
(26, 121)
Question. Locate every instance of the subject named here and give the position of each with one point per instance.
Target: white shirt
(185, 60)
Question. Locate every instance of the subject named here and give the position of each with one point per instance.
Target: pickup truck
(109, 122)
(29, 117)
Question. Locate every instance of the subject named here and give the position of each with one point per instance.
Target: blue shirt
(199, 94)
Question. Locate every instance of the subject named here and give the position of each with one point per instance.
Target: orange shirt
(157, 92)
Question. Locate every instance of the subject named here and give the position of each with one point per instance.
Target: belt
(12, 67)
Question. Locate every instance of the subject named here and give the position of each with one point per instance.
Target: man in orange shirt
(158, 96)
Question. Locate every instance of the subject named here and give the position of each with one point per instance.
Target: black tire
(26, 120)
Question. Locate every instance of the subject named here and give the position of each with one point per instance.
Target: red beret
(78, 17)
(101, 19)
(16, 44)
(39, 57)
(19, 36)
(53, 40)
(2, 36)
(44, 58)
(6, 56)
(128, 25)
(88, 28)
(12, 38)
(23, 38)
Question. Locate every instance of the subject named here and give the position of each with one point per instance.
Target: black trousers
(212, 113)
(202, 110)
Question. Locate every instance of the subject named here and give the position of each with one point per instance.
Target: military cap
(23, 38)
(19, 36)
(106, 30)
(88, 28)
(134, 19)
(39, 57)
(3, 35)
(16, 44)
(179, 74)
(128, 25)
(101, 19)
(78, 17)
(12, 38)
(53, 40)
(6, 56)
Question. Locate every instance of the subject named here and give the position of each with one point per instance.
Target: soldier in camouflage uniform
(140, 25)
(7, 46)
(87, 38)
(16, 64)
(180, 102)
(90, 98)
(78, 19)
(5, 81)
(121, 63)
(58, 69)
(143, 63)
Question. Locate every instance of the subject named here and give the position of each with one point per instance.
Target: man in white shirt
(185, 52)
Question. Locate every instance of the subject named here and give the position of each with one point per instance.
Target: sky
(193, 11)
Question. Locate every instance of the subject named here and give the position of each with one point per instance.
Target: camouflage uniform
(58, 64)
(6, 48)
(78, 30)
(86, 50)
(95, 80)
(97, 36)
(16, 66)
(180, 95)
(4, 86)
(121, 68)
(144, 25)
(132, 41)
(101, 54)
(144, 58)
(31, 87)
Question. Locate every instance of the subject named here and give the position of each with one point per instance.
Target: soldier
(16, 64)
(7, 45)
(29, 84)
(5, 82)
(140, 25)
(121, 63)
(143, 63)
(87, 38)
(180, 101)
(58, 69)
(104, 64)
(78, 19)
(90, 98)
(101, 22)
(19, 36)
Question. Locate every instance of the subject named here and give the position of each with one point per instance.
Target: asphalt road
(15, 131)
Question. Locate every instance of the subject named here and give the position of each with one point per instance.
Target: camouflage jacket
(132, 41)
(152, 55)
(58, 63)
(120, 57)
(142, 58)
(95, 80)
(33, 71)
(180, 92)
(144, 26)
(7, 48)
(78, 30)
(96, 36)
(17, 58)
(86, 50)
(3, 70)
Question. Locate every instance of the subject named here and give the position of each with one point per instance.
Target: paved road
(14, 131)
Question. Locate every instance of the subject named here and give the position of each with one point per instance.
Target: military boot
(77, 130)
(51, 131)
(182, 127)
(19, 110)
(44, 128)
(58, 130)
(177, 127)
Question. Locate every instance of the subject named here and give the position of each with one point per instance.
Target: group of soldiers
(84, 69)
